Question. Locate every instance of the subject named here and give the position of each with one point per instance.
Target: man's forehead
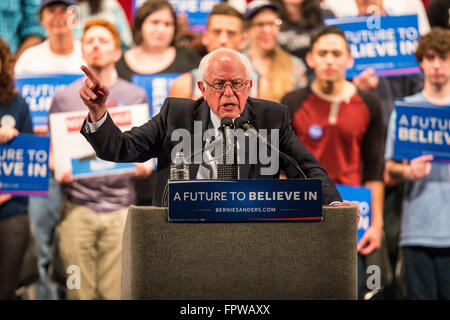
(224, 22)
(226, 64)
(330, 42)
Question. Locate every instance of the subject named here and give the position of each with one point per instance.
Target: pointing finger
(90, 75)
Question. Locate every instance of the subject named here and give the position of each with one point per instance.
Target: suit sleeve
(291, 145)
(136, 145)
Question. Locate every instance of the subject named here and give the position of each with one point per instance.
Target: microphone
(228, 169)
(243, 123)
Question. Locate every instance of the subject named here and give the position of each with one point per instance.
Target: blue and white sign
(157, 87)
(38, 91)
(387, 46)
(96, 167)
(420, 130)
(24, 166)
(245, 200)
(363, 196)
(197, 11)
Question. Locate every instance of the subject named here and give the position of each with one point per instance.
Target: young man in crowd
(94, 209)
(342, 127)
(425, 226)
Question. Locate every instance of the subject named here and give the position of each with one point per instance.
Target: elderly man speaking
(224, 80)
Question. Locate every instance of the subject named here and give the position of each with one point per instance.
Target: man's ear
(204, 38)
(201, 86)
(117, 55)
(309, 60)
(244, 41)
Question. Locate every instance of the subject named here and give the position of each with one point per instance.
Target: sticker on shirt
(8, 121)
(315, 132)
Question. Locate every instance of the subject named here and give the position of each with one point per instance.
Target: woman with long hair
(14, 223)
(154, 29)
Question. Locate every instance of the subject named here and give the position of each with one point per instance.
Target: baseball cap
(45, 3)
(257, 5)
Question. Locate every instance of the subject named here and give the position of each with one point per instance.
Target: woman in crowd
(154, 29)
(14, 222)
(269, 60)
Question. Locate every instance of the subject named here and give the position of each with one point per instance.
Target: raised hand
(94, 95)
(366, 80)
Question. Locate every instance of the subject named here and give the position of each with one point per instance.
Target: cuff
(92, 127)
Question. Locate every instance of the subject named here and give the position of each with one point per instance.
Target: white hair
(204, 63)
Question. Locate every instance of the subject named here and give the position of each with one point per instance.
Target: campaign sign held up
(245, 200)
(196, 11)
(38, 91)
(383, 43)
(420, 130)
(24, 166)
(157, 87)
(363, 196)
(96, 167)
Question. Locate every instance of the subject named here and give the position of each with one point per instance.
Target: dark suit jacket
(153, 139)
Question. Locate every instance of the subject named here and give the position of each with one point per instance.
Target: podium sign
(245, 200)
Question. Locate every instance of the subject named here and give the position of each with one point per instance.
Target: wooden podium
(239, 261)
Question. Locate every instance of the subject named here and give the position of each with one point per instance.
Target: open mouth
(229, 106)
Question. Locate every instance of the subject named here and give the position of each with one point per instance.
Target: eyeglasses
(220, 85)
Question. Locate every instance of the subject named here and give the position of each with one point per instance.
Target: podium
(239, 261)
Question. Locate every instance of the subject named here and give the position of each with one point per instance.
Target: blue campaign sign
(383, 43)
(363, 197)
(157, 87)
(245, 200)
(197, 11)
(24, 166)
(38, 91)
(420, 130)
(95, 167)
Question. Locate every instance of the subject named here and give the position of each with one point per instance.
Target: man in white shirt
(59, 53)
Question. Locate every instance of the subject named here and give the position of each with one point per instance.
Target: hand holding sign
(4, 197)
(7, 133)
(419, 167)
(366, 80)
(141, 172)
(94, 95)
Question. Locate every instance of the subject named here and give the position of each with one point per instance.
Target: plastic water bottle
(179, 170)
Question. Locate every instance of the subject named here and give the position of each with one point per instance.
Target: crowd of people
(348, 125)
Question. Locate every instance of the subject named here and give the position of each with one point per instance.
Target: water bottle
(179, 170)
